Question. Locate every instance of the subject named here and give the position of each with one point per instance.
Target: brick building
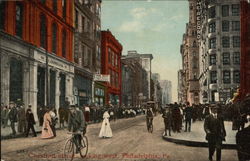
(111, 64)
(30, 30)
(245, 48)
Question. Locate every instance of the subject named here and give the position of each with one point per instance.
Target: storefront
(99, 96)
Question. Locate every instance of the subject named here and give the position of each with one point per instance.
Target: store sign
(198, 19)
(102, 77)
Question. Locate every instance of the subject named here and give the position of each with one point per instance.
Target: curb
(196, 143)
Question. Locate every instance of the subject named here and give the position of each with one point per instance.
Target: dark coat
(21, 114)
(76, 121)
(13, 114)
(214, 128)
(30, 118)
(188, 113)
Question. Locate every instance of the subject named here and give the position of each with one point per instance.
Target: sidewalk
(197, 135)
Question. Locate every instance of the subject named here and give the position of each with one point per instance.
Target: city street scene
(125, 80)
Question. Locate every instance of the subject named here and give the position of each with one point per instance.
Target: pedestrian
(5, 116)
(215, 132)
(53, 121)
(167, 116)
(21, 120)
(62, 117)
(13, 117)
(176, 118)
(30, 122)
(46, 129)
(86, 113)
(105, 131)
(40, 114)
(188, 117)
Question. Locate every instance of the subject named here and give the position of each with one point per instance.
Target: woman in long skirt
(106, 131)
(46, 129)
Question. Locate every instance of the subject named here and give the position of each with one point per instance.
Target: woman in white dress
(106, 131)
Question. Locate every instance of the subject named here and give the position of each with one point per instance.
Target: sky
(150, 27)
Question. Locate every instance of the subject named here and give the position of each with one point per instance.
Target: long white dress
(105, 129)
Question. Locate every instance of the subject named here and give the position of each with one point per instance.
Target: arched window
(64, 46)
(43, 31)
(2, 14)
(54, 38)
(54, 5)
(19, 19)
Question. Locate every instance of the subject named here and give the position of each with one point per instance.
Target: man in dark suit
(188, 117)
(215, 132)
(13, 117)
(31, 122)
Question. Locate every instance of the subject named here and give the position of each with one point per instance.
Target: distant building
(181, 91)
(111, 65)
(146, 62)
(157, 92)
(166, 86)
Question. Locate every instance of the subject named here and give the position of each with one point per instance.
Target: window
(83, 24)
(226, 58)
(76, 19)
(109, 55)
(43, 31)
(225, 26)
(212, 27)
(212, 60)
(64, 8)
(226, 77)
(19, 19)
(236, 41)
(235, 25)
(225, 10)
(54, 38)
(235, 10)
(54, 5)
(225, 42)
(236, 58)
(212, 12)
(2, 14)
(213, 76)
(89, 58)
(236, 76)
(212, 43)
(194, 44)
(64, 45)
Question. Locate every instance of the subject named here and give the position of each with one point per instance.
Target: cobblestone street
(130, 141)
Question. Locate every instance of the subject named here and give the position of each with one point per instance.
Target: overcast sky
(154, 27)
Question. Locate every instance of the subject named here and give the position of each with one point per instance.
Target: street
(130, 141)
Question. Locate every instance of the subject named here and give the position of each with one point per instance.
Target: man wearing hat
(13, 117)
(215, 132)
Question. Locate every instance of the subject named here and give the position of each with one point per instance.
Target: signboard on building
(198, 19)
(102, 77)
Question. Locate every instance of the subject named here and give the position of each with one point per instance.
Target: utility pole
(47, 72)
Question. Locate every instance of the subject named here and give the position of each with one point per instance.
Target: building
(157, 92)
(30, 30)
(134, 79)
(190, 58)
(166, 86)
(111, 65)
(245, 49)
(87, 52)
(219, 50)
(180, 89)
(146, 62)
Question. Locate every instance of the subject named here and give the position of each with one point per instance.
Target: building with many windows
(166, 86)
(87, 52)
(32, 32)
(219, 50)
(111, 65)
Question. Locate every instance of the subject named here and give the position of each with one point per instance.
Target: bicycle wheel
(69, 150)
(85, 146)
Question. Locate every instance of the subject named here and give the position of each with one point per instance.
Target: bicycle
(70, 147)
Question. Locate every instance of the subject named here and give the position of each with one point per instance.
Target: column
(5, 78)
(57, 96)
(69, 87)
(26, 83)
(32, 94)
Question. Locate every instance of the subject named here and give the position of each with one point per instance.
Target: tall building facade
(30, 30)
(190, 57)
(245, 49)
(219, 50)
(166, 87)
(146, 62)
(111, 65)
(87, 52)
(180, 87)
